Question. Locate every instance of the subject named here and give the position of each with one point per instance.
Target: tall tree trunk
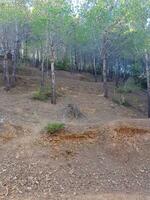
(42, 74)
(117, 74)
(103, 56)
(47, 67)
(13, 78)
(105, 77)
(25, 56)
(71, 62)
(53, 82)
(16, 55)
(53, 79)
(76, 60)
(6, 71)
(148, 81)
(94, 68)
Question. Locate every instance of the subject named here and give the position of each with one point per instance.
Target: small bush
(126, 103)
(42, 94)
(121, 101)
(129, 87)
(63, 65)
(123, 89)
(54, 128)
(116, 100)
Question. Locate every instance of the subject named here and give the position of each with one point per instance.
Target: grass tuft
(42, 94)
(53, 128)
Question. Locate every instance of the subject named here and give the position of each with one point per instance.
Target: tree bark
(42, 74)
(13, 78)
(105, 77)
(53, 82)
(94, 68)
(103, 56)
(117, 74)
(16, 55)
(53, 79)
(148, 81)
(6, 71)
(47, 67)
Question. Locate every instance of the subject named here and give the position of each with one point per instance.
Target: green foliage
(42, 94)
(122, 101)
(62, 65)
(53, 128)
(136, 70)
(50, 22)
(116, 100)
(129, 87)
(143, 82)
(125, 103)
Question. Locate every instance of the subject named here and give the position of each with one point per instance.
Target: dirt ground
(103, 156)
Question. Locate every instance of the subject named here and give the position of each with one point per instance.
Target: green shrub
(53, 128)
(123, 89)
(129, 87)
(42, 94)
(122, 101)
(126, 104)
(62, 65)
(116, 100)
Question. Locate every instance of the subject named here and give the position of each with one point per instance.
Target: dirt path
(101, 165)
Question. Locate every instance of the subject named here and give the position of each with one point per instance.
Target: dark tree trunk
(42, 74)
(148, 81)
(26, 50)
(47, 67)
(94, 68)
(6, 71)
(76, 60)
(117, 74)
(13, 78)
(105, 77)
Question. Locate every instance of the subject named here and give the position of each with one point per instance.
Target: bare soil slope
(103, 156)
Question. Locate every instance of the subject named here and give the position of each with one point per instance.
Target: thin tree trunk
(117, 74)
(42, 74)
(13, 78)
(16, 56)
(47, 67)
(6, 71)
(76, 60)
(148, 81)
(105, 77)
(53, 82)
(94, 67)
(26, 50)
(13, 75)
(47, 48)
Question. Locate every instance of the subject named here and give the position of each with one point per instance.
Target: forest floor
(103, 156)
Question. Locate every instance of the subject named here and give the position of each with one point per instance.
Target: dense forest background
(108, 38)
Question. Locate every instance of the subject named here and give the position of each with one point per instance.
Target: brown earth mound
(129, 131)
(65, 136)
(122, 138)
(129, 127)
